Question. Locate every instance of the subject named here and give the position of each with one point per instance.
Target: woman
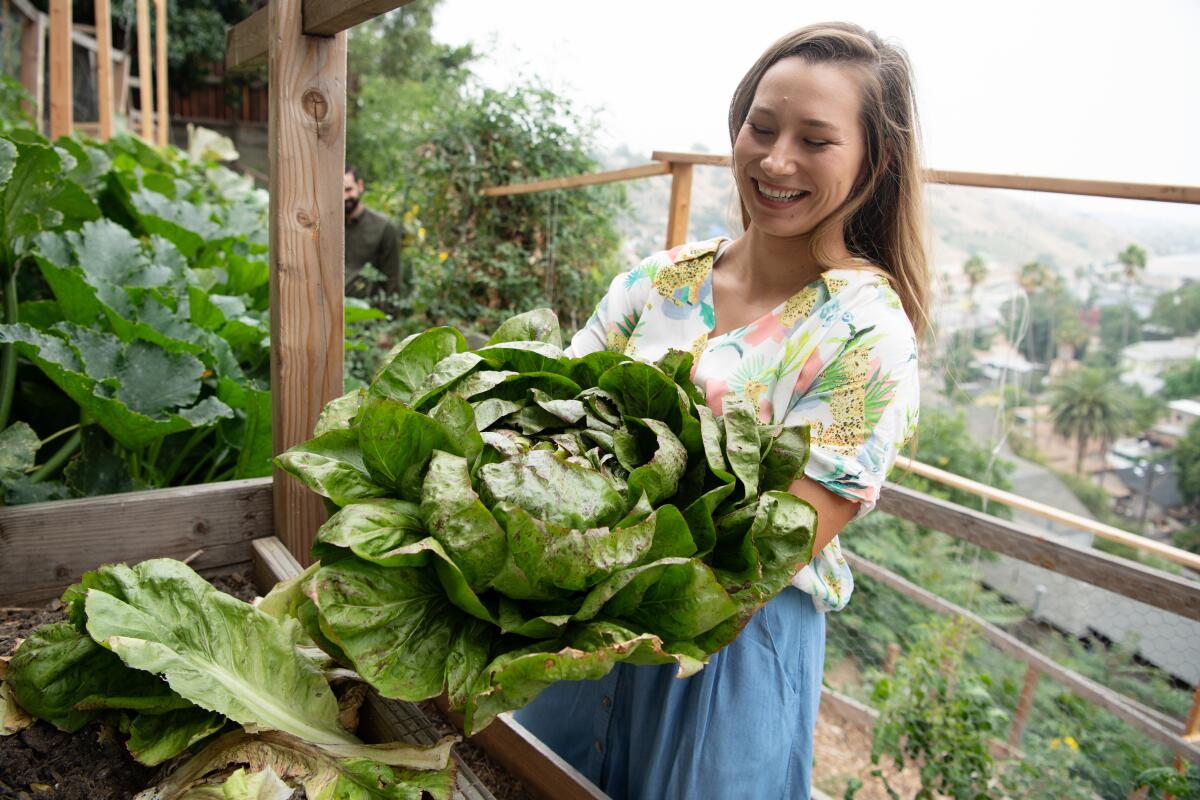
(813, 313)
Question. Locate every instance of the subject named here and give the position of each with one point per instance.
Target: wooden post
(145, 73)
(104, 71)
(1191, 730)
(33, 64)
(893, 655)
(164, 114)
(681, 202)
(307, 151)
(62, 92)
(1024, 705)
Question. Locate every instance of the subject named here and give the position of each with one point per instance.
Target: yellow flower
(1055, 743)
(442, 256)
(421, 234)
(416, 207)
(1070, 742)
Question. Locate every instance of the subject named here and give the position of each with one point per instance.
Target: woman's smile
(773, 196)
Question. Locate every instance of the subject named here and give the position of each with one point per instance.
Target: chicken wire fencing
(991, 674)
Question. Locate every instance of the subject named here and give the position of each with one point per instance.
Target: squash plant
(135, 326)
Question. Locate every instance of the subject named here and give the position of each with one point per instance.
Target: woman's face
(800, 150)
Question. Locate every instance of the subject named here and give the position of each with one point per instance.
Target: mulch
(44, 763)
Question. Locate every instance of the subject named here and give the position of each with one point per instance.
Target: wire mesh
(1139, 657)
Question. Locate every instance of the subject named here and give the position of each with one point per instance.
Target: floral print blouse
(839, 355)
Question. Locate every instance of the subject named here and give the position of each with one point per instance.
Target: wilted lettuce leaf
(415, 769)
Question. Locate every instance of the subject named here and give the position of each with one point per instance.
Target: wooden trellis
(113, 85)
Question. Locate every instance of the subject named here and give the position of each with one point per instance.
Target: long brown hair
(882, 219)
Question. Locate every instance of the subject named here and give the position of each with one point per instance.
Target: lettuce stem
(8, 354)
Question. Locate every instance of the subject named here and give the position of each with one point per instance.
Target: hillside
(1007, 228)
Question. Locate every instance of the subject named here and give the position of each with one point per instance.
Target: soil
(93, 763)
(843, 751)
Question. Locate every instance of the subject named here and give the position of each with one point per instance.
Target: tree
(975, 270)
(1187, 461)
(1087, 405)
(1183, 381)
(1133, 263)
(1179, 310)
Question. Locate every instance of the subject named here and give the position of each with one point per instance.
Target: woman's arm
(833, 511)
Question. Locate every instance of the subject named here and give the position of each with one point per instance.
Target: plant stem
(57, 434)
(8, 355)
(55, 461)
(216, 463)
(197, 437)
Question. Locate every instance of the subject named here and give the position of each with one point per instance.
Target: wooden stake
(145, 73)
(62, 92)
(164, 114)
(1024, 705)
(681, 202)
(33, 65)
(893, 655)
(307, 151)
(1192, 728)
(104, 71)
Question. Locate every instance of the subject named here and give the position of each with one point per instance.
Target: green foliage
(1119, 326)
(1166, 782)
(13, 98)
(1182, 382)
(1179, 310)
(135, 313)
(472, 261)
(1187, 459)
(937, 715)
(944, 442)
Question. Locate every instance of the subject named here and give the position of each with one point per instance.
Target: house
(1180, 416)
(1143, 363)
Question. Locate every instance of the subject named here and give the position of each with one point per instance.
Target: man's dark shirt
(371, 239)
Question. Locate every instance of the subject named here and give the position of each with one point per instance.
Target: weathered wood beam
(306, 153)
(62, 88)
(104, 71)
(573, 181)
(145, 75)
(46, 546)
(681, 204)
(1030, 183)
(1143, 543)
(246, 42)
(1151, 586)
(163, 133)
(330, 17)
(33, 64)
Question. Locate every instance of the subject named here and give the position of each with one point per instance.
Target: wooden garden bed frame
(44, 547)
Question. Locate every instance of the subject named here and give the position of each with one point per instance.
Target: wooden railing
(1177, 595)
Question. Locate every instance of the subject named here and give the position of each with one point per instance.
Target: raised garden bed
(45, 547)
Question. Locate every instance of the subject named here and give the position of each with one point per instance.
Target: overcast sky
(1103, 90)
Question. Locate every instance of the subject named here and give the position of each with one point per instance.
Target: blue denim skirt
(741, 727)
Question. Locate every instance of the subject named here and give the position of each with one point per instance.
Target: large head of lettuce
(511, 516)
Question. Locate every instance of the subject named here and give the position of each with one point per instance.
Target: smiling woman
(812, 315)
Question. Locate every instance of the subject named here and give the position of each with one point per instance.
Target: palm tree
(1133, 262)
(975, 270)
(1088, 404)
